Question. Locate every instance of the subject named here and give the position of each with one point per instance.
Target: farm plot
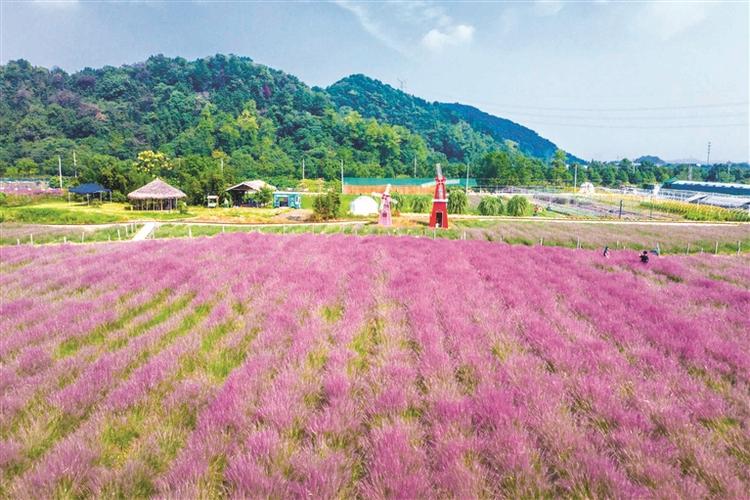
(258, 365)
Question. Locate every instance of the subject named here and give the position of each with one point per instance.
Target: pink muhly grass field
(251, 365)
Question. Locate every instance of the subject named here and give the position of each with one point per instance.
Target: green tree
(457, 201)
(27, 167)
(153, 163)
(559, 170)
(264, 196)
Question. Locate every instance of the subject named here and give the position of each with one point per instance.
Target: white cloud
(667, 20)
(438, 39)
(370, 24)
(395, 24)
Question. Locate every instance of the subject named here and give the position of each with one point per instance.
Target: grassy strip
(693, 211)
(99, 334)
(69, 236)
(49, 215)
(124, 440)
(40, 435)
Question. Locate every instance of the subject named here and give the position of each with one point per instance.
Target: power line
(594, 125)
(611, 118)
(645, 108)
(623, 109)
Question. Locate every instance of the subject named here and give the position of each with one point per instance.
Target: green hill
(264, 121)
(457, 130)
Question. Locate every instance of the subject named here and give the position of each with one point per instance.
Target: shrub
(182, 207)
(420, 204)
(457, 201)
(490, 205)
(401, 203)
(518, 206)
(326, 206)
(119, 197)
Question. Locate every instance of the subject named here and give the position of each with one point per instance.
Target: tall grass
(692, 211)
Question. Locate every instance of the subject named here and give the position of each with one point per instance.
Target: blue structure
(291, 199)
(90, 188)
(87, 190)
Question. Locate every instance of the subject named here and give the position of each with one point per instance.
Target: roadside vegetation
(695, 212)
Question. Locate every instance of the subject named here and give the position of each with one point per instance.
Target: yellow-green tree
(153, 163)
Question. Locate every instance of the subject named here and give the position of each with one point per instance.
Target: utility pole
(690, 172)
(303, 169)
(401, 84)
(75, 165)
(415, 166)
(708, 155)
(222, 166)
(59, 169)
(575, 178)
(467, 179)
(342, 176)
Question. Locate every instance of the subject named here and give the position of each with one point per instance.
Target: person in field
(644, 257)
(606, 252)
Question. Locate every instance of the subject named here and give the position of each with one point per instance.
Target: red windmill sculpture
(439, 215)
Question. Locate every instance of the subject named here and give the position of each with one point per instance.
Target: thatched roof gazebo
(156, 195)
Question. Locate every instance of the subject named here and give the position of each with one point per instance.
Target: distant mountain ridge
(375, 99)
(651, 159)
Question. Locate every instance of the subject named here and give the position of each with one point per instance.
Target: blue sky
(602, 79)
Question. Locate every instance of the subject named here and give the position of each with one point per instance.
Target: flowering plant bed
(259, 365)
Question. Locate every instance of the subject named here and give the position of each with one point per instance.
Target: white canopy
(363, 205)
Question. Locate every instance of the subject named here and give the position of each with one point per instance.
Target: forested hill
(455, 129)
(263, 121)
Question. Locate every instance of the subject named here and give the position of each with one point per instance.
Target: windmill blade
(388, 189)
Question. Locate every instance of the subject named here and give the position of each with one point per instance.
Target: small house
(239, 192)
(291, 199)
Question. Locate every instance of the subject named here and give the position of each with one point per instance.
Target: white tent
(586, 188)
(363, 205)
